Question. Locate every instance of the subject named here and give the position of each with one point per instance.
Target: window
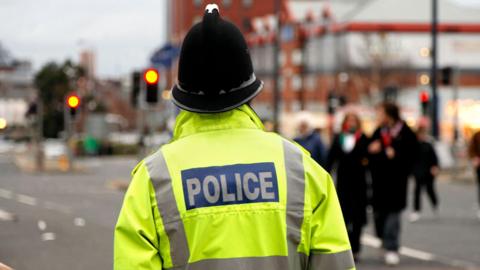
(227, 3)
(311, 83)
(296, 82)
(297, 57)
(247, 3)
(197, 3)
(282, 59)
(281, 82)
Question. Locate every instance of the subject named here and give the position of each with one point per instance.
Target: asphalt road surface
(60, 221)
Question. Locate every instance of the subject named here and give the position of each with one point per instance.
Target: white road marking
(79, 222)
(6, 194)
(417, 254)
(6, 216)
(48, 236)
(25, 199)
(372, 241)
(57, 207)
(42, 225)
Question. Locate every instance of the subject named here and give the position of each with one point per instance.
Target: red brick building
(358, 49)
(354, 48)
(186, 13)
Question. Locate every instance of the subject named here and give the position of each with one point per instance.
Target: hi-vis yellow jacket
(224, 194)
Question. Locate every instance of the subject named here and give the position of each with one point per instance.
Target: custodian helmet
(215, 72)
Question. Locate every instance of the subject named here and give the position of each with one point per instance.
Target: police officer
(225, 194)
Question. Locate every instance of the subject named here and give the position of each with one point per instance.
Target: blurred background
(85, 94)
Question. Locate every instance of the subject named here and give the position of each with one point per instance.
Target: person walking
(391, 156)
(349, 153)
(425, 170)
(474, 151)
(309, 138)
(225, 194)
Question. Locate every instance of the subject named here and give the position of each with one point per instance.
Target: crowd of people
(374, 170)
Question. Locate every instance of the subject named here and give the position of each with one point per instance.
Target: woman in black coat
(392, 153)
(349, 152)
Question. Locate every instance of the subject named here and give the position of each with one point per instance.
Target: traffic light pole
(433, 75)
(67, 117)
(455, 100)
(39, 154)
(276, 68)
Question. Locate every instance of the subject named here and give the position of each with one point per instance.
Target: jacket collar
(189, 123)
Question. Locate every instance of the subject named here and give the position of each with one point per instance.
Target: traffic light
(424, 101)
(73, 102)
(333, 103)
(390, 93)
(447, 75)
(136, 79)
(151, 79)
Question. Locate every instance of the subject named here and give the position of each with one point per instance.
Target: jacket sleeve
(329, 244)
(136, 241)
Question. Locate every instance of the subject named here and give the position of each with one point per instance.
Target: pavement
(65, 221)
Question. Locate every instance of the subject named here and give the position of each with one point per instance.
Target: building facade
(358, 51)
(185, 13)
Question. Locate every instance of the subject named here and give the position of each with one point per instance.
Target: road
(65, 221)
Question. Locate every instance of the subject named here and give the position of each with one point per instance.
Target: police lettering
(231, 184)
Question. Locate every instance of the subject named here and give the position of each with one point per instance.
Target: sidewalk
(27, 163)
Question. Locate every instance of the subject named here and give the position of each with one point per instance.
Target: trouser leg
(391, 239)
(432, 194)
(379, 217)
(354, 235)
(418, 190)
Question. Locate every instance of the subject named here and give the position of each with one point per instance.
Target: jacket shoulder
(135, 169)
(290, 142)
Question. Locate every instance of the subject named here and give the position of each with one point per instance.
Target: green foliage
(53, 82)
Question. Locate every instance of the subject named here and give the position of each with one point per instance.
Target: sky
(123, 33)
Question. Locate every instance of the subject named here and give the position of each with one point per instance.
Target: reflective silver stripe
(295, 202)
(332, 261)
(167, 207)
(260, 263)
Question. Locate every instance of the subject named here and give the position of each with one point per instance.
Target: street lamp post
(433, 81)
(276, 67)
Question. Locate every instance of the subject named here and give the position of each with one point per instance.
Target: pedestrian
(224, 194)
(349, 153)
(474, 151)
(310, 139)
(391, 155)
(424, 171)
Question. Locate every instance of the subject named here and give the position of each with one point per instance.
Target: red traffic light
(73, 101)
(424, 97)
(151, 76)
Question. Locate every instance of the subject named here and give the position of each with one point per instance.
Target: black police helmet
(215, 72)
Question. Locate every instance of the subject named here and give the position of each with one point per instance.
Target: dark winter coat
(313, 144)
(350, 177)
(426, 159)
(390, 176)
